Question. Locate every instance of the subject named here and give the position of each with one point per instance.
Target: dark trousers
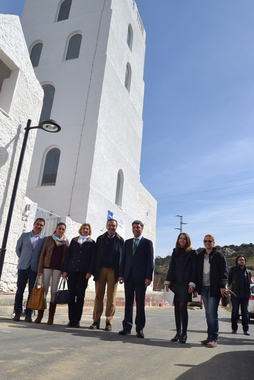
(131, 288)
(77, 284)
(236, 302)
(24, 275)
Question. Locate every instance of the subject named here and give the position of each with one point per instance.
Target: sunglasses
(208, 241)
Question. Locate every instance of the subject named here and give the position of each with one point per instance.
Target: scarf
(58, 240)
(82, 239)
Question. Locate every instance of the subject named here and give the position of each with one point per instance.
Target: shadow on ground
(222, 366)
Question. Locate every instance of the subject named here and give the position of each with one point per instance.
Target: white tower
(89, 57)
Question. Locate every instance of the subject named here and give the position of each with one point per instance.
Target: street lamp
(47, 126)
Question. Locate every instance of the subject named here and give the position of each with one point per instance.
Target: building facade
(89, 58)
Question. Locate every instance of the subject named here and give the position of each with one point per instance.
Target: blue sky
(198, 140)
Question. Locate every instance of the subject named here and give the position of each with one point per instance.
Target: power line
(204, 199)
(202, 187)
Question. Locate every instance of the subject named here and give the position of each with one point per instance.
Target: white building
(21, 99)
(89, 57)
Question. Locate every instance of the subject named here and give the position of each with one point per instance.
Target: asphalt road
(30, 351)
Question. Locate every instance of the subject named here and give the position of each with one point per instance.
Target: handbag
(36, 300)
(63, 295)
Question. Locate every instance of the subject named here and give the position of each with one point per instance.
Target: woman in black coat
(181, 279)
(78, 267)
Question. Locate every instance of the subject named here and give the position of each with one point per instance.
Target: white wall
(25, 95)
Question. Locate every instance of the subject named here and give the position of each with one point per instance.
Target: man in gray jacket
(28, 250)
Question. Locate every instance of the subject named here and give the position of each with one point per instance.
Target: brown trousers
(106, 277)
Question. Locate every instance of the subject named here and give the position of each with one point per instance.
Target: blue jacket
(140, 266)
(28, 257)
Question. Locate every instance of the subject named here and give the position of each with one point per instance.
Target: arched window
(36, 54)
(73, 47)
(64, 10)
(119, 188)
(130, 36)
(50, 167)
(127, 81)
(49, 93)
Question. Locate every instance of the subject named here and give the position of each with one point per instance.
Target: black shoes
(124, 332)
(183, 339)
(73, 324)
(234, 332)
(140, 334)
(246, 333)
(176, 338)
(179, 337)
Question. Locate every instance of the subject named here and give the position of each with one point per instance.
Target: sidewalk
(153, 299)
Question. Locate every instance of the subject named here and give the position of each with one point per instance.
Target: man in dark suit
(136, 271)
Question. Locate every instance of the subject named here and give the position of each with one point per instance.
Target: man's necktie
(134, 246)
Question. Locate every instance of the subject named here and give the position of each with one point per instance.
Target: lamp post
(48, 126)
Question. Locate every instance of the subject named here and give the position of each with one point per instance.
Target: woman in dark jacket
(211, 284)
(78, 267)
(181, 279)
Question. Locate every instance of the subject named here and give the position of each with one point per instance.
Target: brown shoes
(16, 318)
(95, 326)
(204, 342)
(211, 344)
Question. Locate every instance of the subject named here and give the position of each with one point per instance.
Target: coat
(46, 253)
(28, 256)
(233, 280)
(80, 258)
(188, 271)
(118, 250)
(218, 272)
(140, 265)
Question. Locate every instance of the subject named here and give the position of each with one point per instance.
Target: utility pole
(181, 223)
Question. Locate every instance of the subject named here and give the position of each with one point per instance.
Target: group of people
(207, 275)
(110, 260)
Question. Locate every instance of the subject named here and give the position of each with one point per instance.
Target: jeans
(211, 311)
(24, 275)
(236, 302)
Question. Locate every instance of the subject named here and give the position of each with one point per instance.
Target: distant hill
(230, 252)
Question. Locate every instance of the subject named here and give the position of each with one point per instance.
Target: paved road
(30, 351)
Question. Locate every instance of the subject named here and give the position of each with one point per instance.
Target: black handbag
(63, 295)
